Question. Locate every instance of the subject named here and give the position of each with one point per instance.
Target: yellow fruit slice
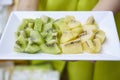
(77, 31)
(90, 21)
(92, 46)
(68, 18)
(87, 35)
(74, 24)
(100, 35)
(66, 36)
(63, 26)
(93, 28)
(72, 47)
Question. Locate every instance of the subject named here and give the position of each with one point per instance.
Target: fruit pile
(64, 35)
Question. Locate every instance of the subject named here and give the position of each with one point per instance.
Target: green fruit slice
(38, 24)
(53, 48)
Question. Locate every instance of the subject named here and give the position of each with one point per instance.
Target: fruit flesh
(38, 24)
(35, 37)
(20, 44)
(73, 47)
(92, 46)
(53, 48)
(64, 35)
(100, 35)
(32, 48)
(50, 36)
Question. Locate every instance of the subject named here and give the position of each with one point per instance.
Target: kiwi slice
(20, 44)
(31, 25)
(18, 48)
(25, 24)
(32, 48)
(52, 48)
(36, 37)
(38, 24)
(47, 28)
(27, 31)
(46, 19)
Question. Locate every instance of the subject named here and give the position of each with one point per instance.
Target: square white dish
(110, 49)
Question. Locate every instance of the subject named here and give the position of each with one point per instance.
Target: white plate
(110, 49)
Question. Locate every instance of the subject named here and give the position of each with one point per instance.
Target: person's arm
(108, 5)
(28, 5)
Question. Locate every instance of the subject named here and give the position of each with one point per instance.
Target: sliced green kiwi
(24, 24)
(38, 24)
(52, 37)
(18, 48)
(32, 48)
(53, 48)
(31, 25)
(27, 31)
(20, 44)
(46, 19)
(36, 37)
(47, 29)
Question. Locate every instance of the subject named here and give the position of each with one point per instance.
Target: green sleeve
(107, 70)
(86, 5)
(67, 5)
(117, 19)
(80, 70)
(59, 65)
(58, 5)
(42, 5)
